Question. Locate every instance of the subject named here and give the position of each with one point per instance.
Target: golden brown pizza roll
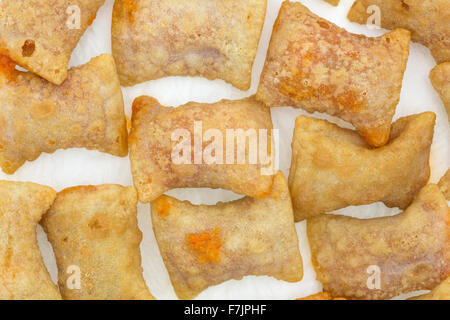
(203, 246)
(441, 292)
(40, 35)
(23, 275)
(198, 145)
(440, 78)
(94, 231)
(383, 257)
(86, 111)
(428, 21)
(214, 39)
(444, 185)
(315, 65)
(333, 168)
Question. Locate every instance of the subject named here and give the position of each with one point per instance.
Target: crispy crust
(244, 237)
(34, 33)
(95, 228)
(441, 292)
(412, 249)
(428, 21)
(333, 168)
(214, 39)
(151, 147)
(315, 65)
(86, 111)
(444, 185)
(23, 275)
(440, 78)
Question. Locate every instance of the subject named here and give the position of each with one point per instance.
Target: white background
(73, 167)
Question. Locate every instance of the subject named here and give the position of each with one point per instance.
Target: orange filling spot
(206, 245)
(264, 194)
(323, 24)
(130, 9)
(8, 67)
(92, 19)
(128, 120)
(162, 206)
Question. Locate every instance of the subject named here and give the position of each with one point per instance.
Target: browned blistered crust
(441, 292)
(244, 237)
(411, 250)
(428, 21)
(35, 34)
(86, 111)
(95, 228)
(440, 78)
(444, 185)
(333, 168)
(151, 146)
(315, 65)
(23, 275)
(214, 39)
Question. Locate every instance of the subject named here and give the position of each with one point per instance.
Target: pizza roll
(198, 145)
(94, 230)
(203, 246)
(428, 21)
(214, 39)
(441, 292)
(333, 168)
(40, 35)
(315, 65)
(23, 275)
(86, 111)
(383, 257)
(444, 185)
(440, 78)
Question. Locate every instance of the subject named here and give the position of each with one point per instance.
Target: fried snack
(441, 292)
(40, 35)
(214, 39)
(407, 252)
(428, 21)
(86, 111)
(333, 168)
(157, 133)
(23, 275)
(444, 185)
(203, 246)
(95, 229)
(440, 78)
(315, 65)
